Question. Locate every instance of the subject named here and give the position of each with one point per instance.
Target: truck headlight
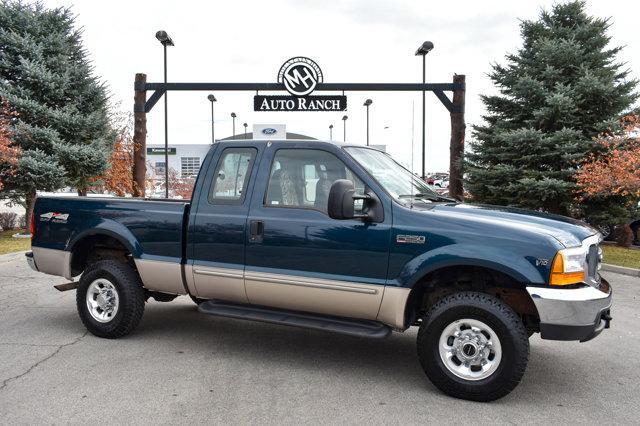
(568, 266)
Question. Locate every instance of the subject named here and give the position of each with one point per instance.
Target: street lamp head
(425, 48)
(367, 102)
(344, 118)
(331, 126)
(233, 115)
(164, 38)
(245, 125)
(212, 98)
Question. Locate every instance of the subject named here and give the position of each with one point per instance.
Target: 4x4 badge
(54, 217)
(410, 239)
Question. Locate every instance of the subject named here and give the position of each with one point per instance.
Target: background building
(186, 159)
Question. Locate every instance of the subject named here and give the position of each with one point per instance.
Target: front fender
(109, 227)
(516, 266)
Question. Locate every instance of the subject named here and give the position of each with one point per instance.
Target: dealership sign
(299, 76)
(304, 103)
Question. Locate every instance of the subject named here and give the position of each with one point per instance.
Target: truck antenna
(413, 131)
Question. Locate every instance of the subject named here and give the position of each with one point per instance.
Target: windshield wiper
(430, 197)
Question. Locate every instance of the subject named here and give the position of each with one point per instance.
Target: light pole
(425, 48)
(367, 104)
(246, 135)
(165, 40)
(344, 128)
(330, 132)
(233, 117)
(212, 99)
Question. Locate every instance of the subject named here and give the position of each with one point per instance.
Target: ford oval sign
(269, 131)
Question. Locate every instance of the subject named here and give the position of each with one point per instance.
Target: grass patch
(621, 256)
(8, 244)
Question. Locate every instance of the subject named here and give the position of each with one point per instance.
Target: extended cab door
(299, 258)
(216, 248)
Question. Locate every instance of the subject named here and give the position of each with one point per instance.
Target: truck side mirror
(340, 204)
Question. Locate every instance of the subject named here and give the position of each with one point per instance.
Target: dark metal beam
(450, 106)
(400, 87)
(153, 99)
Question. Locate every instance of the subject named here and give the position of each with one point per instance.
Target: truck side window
(303, 177)
(231, 175)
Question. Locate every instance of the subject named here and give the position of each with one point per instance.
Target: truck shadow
(386, 362)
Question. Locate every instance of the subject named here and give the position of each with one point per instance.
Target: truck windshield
(399, 182)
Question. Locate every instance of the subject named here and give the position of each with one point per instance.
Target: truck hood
(569, 232)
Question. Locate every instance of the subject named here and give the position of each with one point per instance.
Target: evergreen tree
(62, 124)
(560, 90)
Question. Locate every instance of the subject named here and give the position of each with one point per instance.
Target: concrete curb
(621, 270)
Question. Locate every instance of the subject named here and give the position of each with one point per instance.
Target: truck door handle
(256, 231)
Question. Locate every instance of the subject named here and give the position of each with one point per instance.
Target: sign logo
(300, 76)
(269, 131)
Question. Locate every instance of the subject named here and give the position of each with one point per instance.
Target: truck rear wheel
(110, 299)
(473, 346)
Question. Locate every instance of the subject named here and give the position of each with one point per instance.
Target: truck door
(297, 257)
(217, 235)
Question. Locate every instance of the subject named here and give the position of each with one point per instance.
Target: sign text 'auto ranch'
(304, 103)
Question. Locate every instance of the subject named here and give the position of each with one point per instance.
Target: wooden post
(139, 136)
(456, 146)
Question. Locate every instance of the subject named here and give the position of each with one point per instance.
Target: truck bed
(153, 227)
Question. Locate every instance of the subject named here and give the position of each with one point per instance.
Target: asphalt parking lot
(181, 366)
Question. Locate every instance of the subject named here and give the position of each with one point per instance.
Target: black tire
(503, 321)
(130, 293)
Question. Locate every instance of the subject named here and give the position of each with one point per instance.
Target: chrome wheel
(470, 349)
(102, 300)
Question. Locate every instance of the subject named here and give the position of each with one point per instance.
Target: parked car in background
(438, 180)
(608, 231)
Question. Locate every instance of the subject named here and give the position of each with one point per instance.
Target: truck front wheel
(473, 346)
(110, 299)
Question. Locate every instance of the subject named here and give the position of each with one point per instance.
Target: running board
(352, 327)
(66, 287)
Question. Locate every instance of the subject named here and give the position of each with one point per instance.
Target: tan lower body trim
(322, 296)
(160, 276)
(53, 262)
(188, 274)
(219, 283)
(392, 308)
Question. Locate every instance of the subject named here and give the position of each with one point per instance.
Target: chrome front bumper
(572, 314)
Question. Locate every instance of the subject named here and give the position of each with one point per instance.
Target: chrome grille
(592, 261)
